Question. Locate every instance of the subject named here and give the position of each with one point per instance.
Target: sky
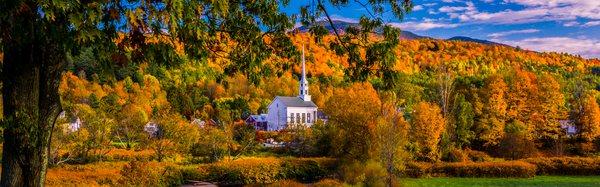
(571, 26)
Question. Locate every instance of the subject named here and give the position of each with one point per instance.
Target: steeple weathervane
(303, 82)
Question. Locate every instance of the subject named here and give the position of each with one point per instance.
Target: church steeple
(304, 95)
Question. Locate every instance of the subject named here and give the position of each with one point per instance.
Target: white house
(298, 110)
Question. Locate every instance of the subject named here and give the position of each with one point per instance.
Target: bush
(286, 183)
(471, 169)
(262, 170)
(328, 183)
(488, 169)
(456, 155)
(138, 173)
(477, 156)
(566, 165)
(303, 170)
(364, 174)
(418, 169)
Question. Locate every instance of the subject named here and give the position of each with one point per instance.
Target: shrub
(95, 174)
(515, 144)
(303, 170)
(364, 174)
(262, 170)
(418, 169)
(286, 183)
(471, 169)
(245, 171)
(566, 165)
(128, 155)
(456, 155)
(138, 173)
(172, 176)
(488, 169)
(477, 156)
(328, 183)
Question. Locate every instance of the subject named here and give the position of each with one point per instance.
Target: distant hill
(468, 39)
(342, 25)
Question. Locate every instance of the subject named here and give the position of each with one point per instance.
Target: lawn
(575, 181)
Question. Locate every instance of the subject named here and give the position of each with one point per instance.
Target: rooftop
(295, 102)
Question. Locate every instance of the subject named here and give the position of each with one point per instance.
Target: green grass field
(558, 181)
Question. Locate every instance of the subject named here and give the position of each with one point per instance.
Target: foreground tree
(36, 37)
(390, 137)
(353, 113)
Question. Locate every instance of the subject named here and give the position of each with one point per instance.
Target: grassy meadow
(538, 181)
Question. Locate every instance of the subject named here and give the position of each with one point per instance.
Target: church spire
(303, 82)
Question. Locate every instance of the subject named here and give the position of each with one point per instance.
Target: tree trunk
(30, 74)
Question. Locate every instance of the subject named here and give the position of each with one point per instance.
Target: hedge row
(566, 165)
(263, 170)
(488, 169)
(472, 169)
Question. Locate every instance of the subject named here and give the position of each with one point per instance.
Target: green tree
(463, 115)
(390, 138)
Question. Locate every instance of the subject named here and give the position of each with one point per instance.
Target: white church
(299, 110)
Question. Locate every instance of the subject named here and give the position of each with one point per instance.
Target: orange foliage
(428, 125)
(589, 119)
(98, 174)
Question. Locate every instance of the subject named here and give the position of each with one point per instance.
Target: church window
(301, 92)
(308, 117)
(298, 118)
(303, 117)
(292, 118)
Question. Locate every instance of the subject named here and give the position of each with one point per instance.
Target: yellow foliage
(428, 125)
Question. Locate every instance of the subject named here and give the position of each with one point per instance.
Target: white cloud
(589, 48)
(421, 26)
(429, 4)
(432, 12)
(591, 24)
(449, 9)
(417, 8)
(506, 33)
(571, 24)
(450, 1)
(532, 11)
(487, 1)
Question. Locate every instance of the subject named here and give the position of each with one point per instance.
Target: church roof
(295, 102)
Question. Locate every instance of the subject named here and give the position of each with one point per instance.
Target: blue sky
(571, 26)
